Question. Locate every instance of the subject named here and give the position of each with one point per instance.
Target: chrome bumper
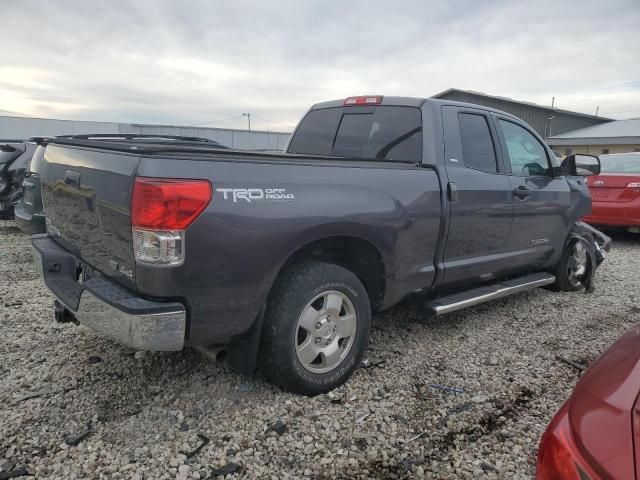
(155, 331)
(107, 307)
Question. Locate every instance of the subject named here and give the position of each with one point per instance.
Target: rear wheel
(316, 328)
(572, 267)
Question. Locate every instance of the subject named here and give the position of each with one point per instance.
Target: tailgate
(86, 195)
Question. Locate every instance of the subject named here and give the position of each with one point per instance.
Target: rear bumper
(106, 306)
(622, 214)
(29, 223)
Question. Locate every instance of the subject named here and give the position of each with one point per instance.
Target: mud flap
(242, 352)
(596, 243)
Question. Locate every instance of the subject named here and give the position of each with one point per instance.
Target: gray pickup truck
(278, 259)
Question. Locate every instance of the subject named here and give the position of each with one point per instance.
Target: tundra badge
(539, 241)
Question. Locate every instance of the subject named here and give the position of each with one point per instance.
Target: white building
(620, 136)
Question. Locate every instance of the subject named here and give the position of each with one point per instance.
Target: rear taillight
(168, 204)
(558, 455)
(364, 100)
(161, 210)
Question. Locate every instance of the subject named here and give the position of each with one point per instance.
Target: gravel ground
(140, 415)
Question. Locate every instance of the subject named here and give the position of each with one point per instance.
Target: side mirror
(580, 165)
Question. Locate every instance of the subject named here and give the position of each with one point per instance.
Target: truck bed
(205, 153)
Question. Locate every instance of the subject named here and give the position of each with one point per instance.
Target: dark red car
(616, 192)
(596, 433)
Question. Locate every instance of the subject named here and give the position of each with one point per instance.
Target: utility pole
(248, 115)
(597, 110)
(547, 127)
(553, 101)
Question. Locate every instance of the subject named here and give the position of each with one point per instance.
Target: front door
(542, 202)
(480, 198)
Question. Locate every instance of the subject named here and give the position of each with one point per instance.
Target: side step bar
(458, 301)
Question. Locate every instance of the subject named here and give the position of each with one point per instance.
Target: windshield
(378, 133)
(620, 163)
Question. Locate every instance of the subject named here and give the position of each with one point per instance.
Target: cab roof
(412, 102)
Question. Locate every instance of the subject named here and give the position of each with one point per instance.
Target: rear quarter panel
(236, 248)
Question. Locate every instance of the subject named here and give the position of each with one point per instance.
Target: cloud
(197, 62)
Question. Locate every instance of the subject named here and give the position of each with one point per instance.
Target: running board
(458, 301)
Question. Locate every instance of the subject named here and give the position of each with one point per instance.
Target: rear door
(542, 202)
(480, 197)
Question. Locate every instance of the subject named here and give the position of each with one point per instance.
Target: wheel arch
(354, 253)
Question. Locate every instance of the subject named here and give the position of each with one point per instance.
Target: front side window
(526, 154)
(381, 133)
(477, 147)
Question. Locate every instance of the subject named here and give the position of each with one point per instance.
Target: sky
(208, 62)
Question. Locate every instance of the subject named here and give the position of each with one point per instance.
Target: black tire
(295, 287)
(563, 282)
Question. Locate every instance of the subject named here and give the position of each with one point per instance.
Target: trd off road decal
(256, 194)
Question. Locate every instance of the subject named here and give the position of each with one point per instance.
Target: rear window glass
(477, 147)
(380, 133)
(620, 163)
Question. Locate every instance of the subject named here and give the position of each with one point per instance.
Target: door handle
(521, 192)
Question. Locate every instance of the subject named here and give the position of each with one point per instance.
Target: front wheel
(572, 267)
(316, 328)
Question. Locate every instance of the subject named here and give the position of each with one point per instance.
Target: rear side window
(478, 151)
(380, 133)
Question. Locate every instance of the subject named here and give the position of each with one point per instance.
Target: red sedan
(616, 192)
(596, 433)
